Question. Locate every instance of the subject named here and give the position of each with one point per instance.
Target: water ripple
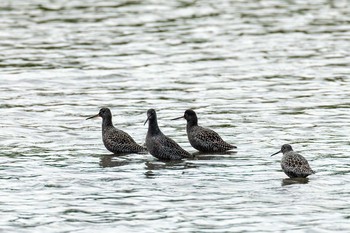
(261, 73)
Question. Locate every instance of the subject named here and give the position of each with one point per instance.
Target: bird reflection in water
(113, 161)
(153, 166)
(212, 156)
(290, 181)
(172, 164)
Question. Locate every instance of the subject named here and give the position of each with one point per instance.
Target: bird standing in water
(116, 140)
(203, 139)
(159, 145)
(293, 164)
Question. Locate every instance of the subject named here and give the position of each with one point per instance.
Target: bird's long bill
(92, 117)
(276, 153)
(177, 118)
(146, 120)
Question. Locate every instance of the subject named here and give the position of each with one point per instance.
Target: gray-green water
(261, 73)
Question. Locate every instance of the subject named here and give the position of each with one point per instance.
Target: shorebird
(293, 164)
(203, 139)
(116, 140)
(159, 145)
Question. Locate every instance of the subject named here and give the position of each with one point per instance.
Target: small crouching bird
(203, 139)
(159, 145)
(116, 140)
(293, 164)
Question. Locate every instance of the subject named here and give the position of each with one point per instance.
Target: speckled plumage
(293, 164)
(116, 140)
(203, 139)
(159, 145)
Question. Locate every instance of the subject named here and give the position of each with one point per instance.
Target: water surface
(261, 73)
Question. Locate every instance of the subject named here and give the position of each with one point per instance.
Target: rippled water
(261, 73)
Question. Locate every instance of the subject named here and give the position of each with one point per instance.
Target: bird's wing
(209, 138)
(119, 137)
(169, 146)
(297, 163)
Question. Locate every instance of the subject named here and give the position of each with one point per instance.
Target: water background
(260, 73)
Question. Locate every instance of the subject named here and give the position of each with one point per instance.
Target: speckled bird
(294, 164)
(159, 145)
(116, 140)
(203, 139)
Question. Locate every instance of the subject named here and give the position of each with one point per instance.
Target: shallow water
(261, 73)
